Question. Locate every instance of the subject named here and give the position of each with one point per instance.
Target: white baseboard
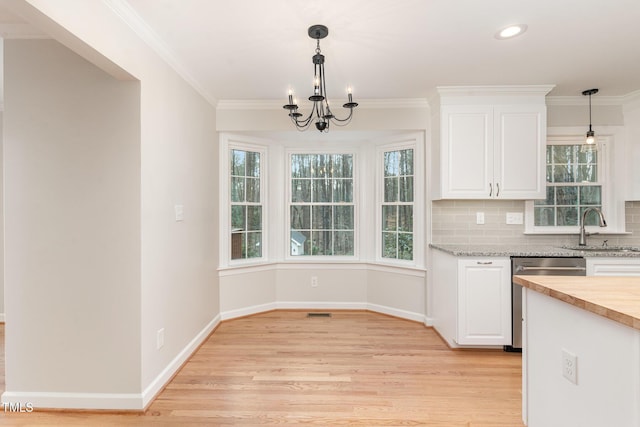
(321, 305)
(120, 401)
(112, 401)
(428, 321)
(167, 373)
(247, 311)
(403, 314)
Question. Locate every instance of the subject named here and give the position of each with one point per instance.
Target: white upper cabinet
(493, 147)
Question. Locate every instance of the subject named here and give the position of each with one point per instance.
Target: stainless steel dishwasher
(561, 266)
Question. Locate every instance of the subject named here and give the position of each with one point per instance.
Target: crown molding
(583, 100)
(495, 90)
(130, 17)
(367, 104)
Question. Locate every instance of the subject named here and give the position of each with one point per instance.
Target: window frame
(229, 143)
(288, 203)
(419, 219)
(605, 180)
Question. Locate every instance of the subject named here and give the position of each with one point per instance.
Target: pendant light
(590, 143)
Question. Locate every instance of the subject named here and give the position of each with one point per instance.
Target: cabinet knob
(484, 262)
(490, 189)
(497, 189)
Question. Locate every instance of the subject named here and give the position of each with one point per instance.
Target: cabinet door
(466, 152)
(484, 302)
(519, 151)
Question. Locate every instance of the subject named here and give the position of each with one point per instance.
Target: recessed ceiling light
(511, 31)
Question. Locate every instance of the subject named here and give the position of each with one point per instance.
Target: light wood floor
(355, 368)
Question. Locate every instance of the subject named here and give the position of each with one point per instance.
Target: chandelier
(320, 113)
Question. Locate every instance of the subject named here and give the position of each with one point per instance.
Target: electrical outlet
(570, 366)
(479, 217)
(160, 339)
(514, 218)
(314, 281)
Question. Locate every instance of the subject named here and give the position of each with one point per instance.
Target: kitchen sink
(602, 248)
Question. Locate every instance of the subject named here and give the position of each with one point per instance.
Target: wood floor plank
(355, 368)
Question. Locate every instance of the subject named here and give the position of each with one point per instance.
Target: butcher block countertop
(616, 298)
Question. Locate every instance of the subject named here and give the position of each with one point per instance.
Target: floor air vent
(318, 314)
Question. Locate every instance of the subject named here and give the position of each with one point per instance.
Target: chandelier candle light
(320, 112)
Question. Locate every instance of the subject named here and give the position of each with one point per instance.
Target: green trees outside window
(246, 206)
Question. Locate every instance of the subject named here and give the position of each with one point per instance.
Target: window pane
(405, 246)
(301, 165)
(254, 245)
(390, 190)
(405, 218)
(237, 166)
(342, 166)
(237, 189)
(254, 218)
(563, 153)
(343, 217)
(567, 195)
(252, 164)
(321, 218)
(567, 216)
(549, 200)
(321, 166)
(544, 217)
(587, 173)
(301, 217)
(406, 162)
(590, 157)
(590, 195)
(238, 217)
(389, 245)
(406, 189)
(321, 189)
(300, 243)
(343, 243)
(301, 190)
(342, 190)
(391, 160)
(253, 190)
(563, 173)
(321, 243)
(549, 154)
(389, 218)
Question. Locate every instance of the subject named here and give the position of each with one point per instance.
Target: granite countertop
(616, 298)
(535, 251)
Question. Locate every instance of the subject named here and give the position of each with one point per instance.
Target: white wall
(72, 224)
(177, 285)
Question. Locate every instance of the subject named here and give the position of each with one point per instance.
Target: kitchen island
(581, 351)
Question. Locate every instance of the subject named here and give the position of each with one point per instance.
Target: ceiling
(257, 49)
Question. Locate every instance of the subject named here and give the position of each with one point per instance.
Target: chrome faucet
(583, 233)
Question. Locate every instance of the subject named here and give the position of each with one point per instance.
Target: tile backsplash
(454, 222)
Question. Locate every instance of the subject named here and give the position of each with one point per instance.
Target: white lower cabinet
(613, 266)
(472, 300)
(484, 301)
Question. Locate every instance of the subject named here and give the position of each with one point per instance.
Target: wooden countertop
(616, 298)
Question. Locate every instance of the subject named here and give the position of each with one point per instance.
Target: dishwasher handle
(524, 268)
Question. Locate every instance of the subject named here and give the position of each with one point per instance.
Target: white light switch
(179, 209)
(479, 217)
(514, 218)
